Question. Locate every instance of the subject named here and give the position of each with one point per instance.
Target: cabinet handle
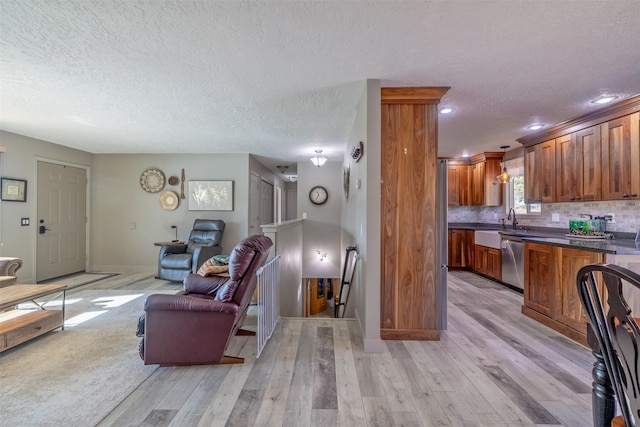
(577, 197)
(572, 198)
(625, 195)
(634, 195)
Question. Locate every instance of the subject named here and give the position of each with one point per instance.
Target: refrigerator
(443, 244)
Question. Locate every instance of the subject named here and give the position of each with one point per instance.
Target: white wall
(20, 162)
(128, 220)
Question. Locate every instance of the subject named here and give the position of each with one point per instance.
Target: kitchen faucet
(515, 221)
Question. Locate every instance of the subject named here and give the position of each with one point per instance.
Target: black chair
(175, 262)
(614, 338)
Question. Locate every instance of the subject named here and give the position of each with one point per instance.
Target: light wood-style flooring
(492, 367)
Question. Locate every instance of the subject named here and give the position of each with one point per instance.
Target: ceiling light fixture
(604, 99)
(503, 178)
(282, 168)
(446, 110)
(318, 160)
(535, 127)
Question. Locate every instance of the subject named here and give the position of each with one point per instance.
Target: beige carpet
(92, 365)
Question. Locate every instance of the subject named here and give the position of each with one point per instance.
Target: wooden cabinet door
(620, 159)
(464, 181)
(477, 184)
(470, 248)
(492, 189)
(458, 254)
(494, 263)
(531, 180)
(459, 184)
(547, 171)
(480, 259)
(453, 186)
(540, 173)
(590, 171)
(539, 278)
(569, 309)
(568, 169)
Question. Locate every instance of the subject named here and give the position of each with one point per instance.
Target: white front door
(62, 220)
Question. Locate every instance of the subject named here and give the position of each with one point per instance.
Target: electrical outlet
(613, 218)
(555, 217)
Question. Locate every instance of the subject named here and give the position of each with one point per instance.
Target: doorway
(62, 220)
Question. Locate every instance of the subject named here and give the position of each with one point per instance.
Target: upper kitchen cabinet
(578, 166)
(459, 183)
(485, 190)
(621, 158)
(593, 157)
(539, 172)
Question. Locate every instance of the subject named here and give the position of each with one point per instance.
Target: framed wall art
(13, 190)
(210, 195)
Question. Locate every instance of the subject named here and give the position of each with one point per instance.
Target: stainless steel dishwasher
(513, 260)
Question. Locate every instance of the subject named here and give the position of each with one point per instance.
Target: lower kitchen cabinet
(460, 248)
(488, 261)
(550, 293)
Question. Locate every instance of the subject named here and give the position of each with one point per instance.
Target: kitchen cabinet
(621, 158)
(539, 172)
(460, 248)
(485, 191)
(408, 214)
(579, 166)
(488, 261)
(459, 184)
(550, 293)
(569, 309)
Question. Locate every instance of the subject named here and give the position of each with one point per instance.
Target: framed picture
(210, 195)
(14, 190)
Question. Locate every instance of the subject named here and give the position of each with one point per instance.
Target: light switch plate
(24, 222)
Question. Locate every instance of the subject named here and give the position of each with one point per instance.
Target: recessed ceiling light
(466, 155)
(604, 99)
(535, 127)
(446, 110)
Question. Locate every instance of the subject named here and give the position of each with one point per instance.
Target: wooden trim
(410, 334)
(412, 95)
(556, 326)
(619, 109)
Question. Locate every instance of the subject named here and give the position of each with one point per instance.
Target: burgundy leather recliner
(195, 326)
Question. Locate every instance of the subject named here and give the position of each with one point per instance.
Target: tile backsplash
(627, 214)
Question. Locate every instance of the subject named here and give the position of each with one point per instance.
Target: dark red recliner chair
(195, 326)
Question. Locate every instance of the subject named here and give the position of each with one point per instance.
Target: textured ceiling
(280, 79)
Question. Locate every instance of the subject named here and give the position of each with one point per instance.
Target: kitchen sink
(490, 238)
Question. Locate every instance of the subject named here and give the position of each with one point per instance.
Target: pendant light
(503, 178)
(318, 160)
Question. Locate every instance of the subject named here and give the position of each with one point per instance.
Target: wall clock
(318, 195)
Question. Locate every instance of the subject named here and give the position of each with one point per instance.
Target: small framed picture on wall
(13, 190)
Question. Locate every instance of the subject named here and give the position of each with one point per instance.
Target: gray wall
(20, 162)
(128, 220)
(361, 216)
(322, 225)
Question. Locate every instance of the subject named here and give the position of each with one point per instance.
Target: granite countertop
(623, 244)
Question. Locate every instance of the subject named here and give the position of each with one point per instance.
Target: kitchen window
(514, 190)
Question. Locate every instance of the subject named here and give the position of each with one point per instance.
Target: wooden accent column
(408, 213)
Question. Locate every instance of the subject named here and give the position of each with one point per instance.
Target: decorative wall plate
(152, 180)
(173, 180)
(169, 200)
